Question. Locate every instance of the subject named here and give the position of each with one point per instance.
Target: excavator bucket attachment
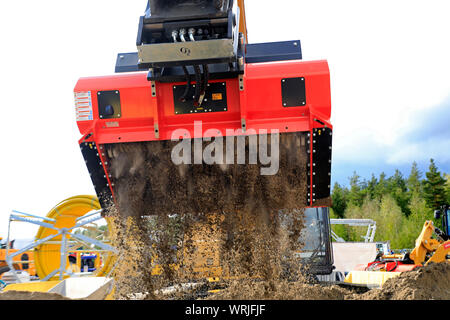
(202, 122)
(199, 123)
(263, 139)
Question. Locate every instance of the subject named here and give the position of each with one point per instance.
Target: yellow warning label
(217, 96)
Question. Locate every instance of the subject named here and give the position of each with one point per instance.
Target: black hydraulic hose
(392, 269)
(205, 78)
(198, 80)
(188, 85)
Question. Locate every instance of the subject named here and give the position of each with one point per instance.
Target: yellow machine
(24, 262)
(429, 250)
(432, 246)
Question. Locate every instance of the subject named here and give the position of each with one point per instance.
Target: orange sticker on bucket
(217, 96)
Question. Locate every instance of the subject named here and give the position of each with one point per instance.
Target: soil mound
(281, 290)
(427, 283)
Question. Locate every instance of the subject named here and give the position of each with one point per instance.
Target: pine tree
(339, 199)
(434, 187)
(413, 183)
(356, 194)
(371, 187)
(398, 190)
(382, 187)
(447, 187)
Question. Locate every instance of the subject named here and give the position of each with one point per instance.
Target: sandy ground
(427, 283)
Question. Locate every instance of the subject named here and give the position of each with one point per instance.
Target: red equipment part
(387, 266)
(253, 103)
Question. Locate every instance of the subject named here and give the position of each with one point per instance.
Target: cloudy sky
(389, 63)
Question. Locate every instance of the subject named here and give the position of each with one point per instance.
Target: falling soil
(148, 182)
(183, 223)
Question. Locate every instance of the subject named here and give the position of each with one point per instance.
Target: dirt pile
(281, 290)
(428, 283)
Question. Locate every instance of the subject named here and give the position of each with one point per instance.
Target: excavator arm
(426, 246)
(243, 20)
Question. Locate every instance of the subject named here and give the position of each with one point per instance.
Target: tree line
(399, 205)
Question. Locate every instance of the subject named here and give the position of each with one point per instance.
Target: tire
(3, 270)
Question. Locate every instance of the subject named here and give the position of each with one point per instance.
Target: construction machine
(23, 262)
(153, 133)
(432, 246)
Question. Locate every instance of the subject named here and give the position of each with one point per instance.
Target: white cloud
(388, 60)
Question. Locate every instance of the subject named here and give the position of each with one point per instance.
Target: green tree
(339, 199)
(369, 210)
(399, 205)
(371, 186)
(339, 229)
(356, 194)
(382, 187)
(398, 190)
(389, 221)
(434, 187)
(447, 187)
(385, 212)
(412, 226)
(414, 180)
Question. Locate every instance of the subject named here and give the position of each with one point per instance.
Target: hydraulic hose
(205, 78)
(198, 86)
(188, 85)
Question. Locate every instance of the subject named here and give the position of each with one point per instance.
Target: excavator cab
(316, 251)
(444, 214)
